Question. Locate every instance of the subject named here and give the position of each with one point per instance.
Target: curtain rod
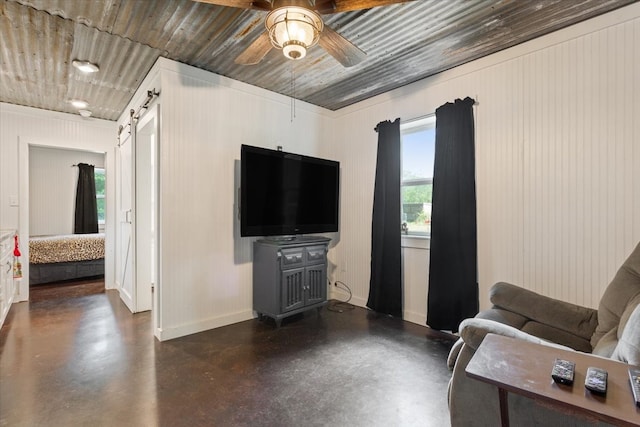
(475, 103)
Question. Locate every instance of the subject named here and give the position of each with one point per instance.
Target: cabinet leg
(278, 323)
(319, 311)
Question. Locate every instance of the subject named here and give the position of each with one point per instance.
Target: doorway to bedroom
(62, 262)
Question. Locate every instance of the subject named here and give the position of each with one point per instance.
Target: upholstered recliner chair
(613, 331)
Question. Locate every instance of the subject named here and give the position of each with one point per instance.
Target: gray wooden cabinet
(289, 276)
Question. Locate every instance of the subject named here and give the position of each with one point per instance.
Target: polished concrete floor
(86, 361)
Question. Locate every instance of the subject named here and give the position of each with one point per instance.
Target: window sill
(415, 242)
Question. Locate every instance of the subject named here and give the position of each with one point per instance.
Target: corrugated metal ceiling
(404, 43)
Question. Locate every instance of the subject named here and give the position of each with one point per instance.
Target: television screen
(285, 194)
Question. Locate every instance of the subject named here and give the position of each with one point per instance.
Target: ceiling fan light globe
(294, 30)
(294, 50)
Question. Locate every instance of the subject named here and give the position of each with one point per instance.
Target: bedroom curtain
(453, 264)
(385, 286)
(86, 214)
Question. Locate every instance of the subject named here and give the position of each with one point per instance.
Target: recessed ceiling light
(78, 103)
(85, 66)
(85, 113)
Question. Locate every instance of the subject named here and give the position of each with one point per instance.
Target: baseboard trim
(417, 318)
(409, 316)
(170, 333)
(340, 294)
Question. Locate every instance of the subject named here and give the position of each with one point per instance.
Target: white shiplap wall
(205, 267)
(23, 127)
(581, 160)
(557, 149)
(52, 188)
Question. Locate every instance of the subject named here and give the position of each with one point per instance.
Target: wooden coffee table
(524, 368)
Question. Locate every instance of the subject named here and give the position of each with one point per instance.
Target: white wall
(52, 188)
(23, 127)
(558, 193)
(205, 276)
(557, 151)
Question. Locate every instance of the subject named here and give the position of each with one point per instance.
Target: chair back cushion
(628, 348)
(617, 304)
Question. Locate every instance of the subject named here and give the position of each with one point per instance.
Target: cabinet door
(316, 283)
(292, 289)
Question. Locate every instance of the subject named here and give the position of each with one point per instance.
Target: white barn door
(137, 197)
(125, 265)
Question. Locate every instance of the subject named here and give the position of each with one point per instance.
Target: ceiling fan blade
(256, 50)
(324, 6)
(242, 4)
(347, 5)
(340, 48)
(320, 6)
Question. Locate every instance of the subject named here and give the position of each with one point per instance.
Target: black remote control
(634, 378)
(596, 380)
(563, 371)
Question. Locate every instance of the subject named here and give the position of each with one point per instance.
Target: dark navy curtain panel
(86, 215)
(385, 286)
(453, 260)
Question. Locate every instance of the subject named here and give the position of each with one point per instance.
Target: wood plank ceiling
(404, 42)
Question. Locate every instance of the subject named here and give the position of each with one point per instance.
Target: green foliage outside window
(417, 193)
(100, 193)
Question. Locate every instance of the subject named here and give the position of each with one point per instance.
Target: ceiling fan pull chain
(293, 91)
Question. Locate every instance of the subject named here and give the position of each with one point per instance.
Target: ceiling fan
(296, 25)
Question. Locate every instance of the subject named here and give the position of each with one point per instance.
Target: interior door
(125, 265)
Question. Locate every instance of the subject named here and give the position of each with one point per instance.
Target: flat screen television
(285, 194)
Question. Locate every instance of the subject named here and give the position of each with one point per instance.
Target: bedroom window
(100, 194)
(418, 149)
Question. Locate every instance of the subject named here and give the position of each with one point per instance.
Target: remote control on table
(634, 378)
(563, 371)
(596, 380)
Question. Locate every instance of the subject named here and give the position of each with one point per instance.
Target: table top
(525, 368)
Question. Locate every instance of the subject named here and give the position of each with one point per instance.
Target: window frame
(101, 196)
(409, 127)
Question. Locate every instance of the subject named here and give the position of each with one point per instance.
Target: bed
(65, 257)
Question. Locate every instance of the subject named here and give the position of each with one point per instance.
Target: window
(98, 173)
(418, 149)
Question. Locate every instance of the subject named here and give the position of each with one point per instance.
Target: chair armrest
(575, 319)
(453, 353)
(473, 331)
